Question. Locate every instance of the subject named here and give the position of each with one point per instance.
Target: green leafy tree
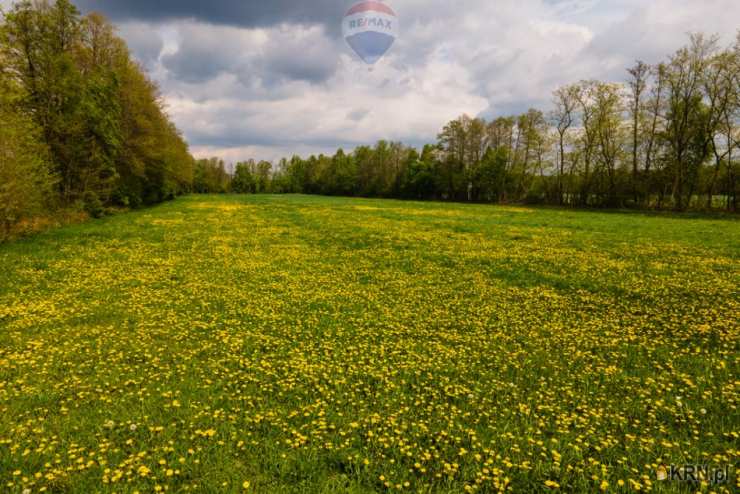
(26, 180)
(243, 181)
(109, 139)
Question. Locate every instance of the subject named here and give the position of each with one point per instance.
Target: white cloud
(271, 91)
(354, 106)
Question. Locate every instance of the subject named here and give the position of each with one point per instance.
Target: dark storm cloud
(206, 51)
(279, 54)
(245, 13)
(203, 53)
(145, 44)
(310, 57)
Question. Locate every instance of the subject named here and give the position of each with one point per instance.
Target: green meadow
(295, 344)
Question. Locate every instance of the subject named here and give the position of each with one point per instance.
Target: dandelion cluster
(304, 344)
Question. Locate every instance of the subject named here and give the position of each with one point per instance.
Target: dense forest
(668, 137)
(83, 128)
(81, 125)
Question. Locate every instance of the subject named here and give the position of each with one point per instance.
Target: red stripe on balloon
(376, 6)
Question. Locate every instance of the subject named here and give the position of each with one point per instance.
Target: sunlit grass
(303, 344)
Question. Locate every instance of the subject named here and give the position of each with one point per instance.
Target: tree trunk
(562, 170)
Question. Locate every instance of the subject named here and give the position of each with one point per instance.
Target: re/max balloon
(370, 28)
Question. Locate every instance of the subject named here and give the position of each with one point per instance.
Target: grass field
(304, 344)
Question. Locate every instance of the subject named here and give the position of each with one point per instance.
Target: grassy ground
(304, 344)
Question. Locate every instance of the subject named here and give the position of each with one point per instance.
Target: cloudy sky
(264, 79)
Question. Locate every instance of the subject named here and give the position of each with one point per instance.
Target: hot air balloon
(370, 28)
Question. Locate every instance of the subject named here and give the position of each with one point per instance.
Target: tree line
(81, 125)
(667, 138)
